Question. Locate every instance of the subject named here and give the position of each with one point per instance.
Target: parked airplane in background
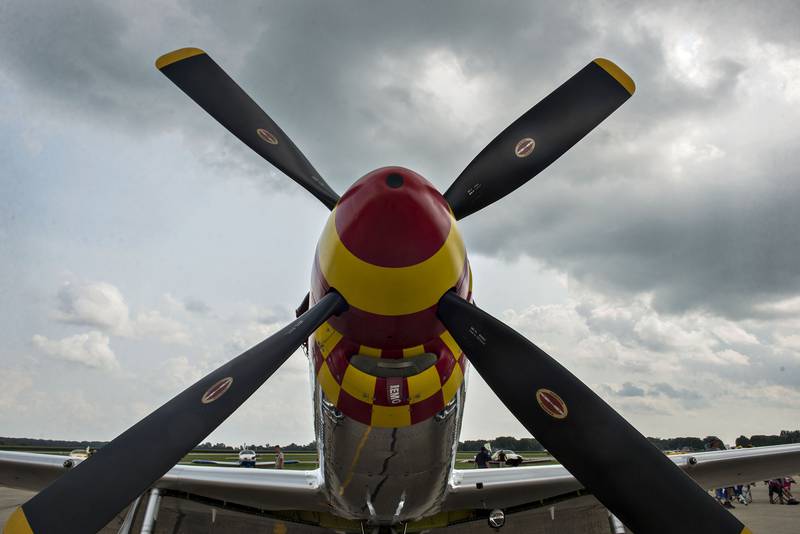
(246, 458)
(391, 330)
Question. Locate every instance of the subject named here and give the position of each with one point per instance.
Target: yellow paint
(360, 446)
(17, 523)
(328, 383)
(369, 351)
(390, 290)
(423, 385)
(391, 416)
(177, 55)
(746, 530)
(279, 528)
(451, 386)
(617, 73)
(327, 338)
(359, 384)
(451, 344)
(413, 351)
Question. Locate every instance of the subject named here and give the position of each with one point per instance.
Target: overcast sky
(142, 245)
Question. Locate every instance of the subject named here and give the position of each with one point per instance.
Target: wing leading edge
(506, 488)
(265, 489)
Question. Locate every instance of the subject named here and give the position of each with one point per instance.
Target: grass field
(306, 460)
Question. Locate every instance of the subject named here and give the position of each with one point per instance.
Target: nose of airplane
(393, 217)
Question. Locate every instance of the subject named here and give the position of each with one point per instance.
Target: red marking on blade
(267, 136)
(217, 390)
(524, 147)
(551, 403)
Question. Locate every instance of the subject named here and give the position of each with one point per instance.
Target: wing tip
(617, 73)
(177, 55)
(17, 523)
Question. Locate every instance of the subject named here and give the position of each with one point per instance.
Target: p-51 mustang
(391, 328)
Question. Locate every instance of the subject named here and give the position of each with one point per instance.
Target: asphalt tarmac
(578, 516)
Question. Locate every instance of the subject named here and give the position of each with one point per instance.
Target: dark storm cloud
(358, 89)
(196, 306)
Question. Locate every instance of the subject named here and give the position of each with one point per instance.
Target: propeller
(540, 136)
(86, 498)
(632, 478)
(206, 83)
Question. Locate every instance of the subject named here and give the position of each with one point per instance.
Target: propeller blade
(632, 478)
(86, 498)
(197, 75)
(540, 136)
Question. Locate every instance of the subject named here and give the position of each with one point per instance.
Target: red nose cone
(393, 217)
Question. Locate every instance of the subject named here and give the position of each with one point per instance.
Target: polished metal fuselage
(386, 475)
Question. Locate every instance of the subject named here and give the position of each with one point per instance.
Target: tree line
(690, 444)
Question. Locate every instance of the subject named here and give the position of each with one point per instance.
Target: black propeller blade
(88, 497)
(206, 83)
(540, 136)
(632, 478)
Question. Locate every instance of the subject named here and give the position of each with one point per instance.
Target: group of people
(781, 489)
(780, 492)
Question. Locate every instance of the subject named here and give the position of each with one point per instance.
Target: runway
(578, 516)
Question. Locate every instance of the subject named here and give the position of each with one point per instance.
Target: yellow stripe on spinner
(453, 383)
(390, 290)
(391, 416)
(17, 523)
(177, 55)
(423, 385)
(617, 73)
(413, 351)
(451, 344)
(359, 384)
(327, 338)
(328, 383)
(369, 351)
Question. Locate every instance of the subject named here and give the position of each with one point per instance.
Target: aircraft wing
(215, 462)
(264, 489)
(520, 486)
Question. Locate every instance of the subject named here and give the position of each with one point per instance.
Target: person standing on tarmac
(278, 457)
(482, 458)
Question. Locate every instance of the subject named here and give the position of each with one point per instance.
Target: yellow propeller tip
(17, 523)
(177, 55)
(617, 73)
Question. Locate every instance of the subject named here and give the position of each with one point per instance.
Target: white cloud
(90, 349)
(15, 383)
(152, 324)
(97, 304)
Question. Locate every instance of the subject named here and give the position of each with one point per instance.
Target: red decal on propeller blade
(267, 136)
(551, 403)
(217, 390)
(524, 147)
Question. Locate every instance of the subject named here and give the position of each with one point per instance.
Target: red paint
(383, 391)
(354, 408)
(393, 226)
(427, 408)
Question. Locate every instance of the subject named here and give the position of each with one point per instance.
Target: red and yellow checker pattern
(386, 402)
